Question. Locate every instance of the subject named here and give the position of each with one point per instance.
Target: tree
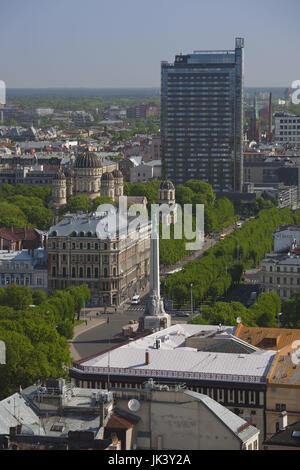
(17, 297)
(78, 203)
(38, 297)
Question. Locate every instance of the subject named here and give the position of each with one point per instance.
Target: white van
(135, 300)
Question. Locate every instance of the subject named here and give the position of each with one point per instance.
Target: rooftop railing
(169, 373)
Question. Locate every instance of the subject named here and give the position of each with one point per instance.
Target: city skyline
(121, 44)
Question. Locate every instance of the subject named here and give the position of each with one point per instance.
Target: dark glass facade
(202, 118)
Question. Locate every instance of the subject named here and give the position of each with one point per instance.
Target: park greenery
(263, 312)
(35, 331)
(25, 206)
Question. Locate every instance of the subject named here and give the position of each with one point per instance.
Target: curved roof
(167, 184)
(88, 160)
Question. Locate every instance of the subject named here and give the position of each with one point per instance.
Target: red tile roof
(15, 234)
(118, 422)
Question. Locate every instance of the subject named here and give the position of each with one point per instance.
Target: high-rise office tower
(202, 118)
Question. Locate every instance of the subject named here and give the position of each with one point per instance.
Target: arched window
(74, 234)
(54, 234)
(105, 272)
(81, 246)
(81, 272)
(81, 234)
(96, 272)
(89, 234)
(64, 246)
(73, 272)
(114, 271)
(88, 272)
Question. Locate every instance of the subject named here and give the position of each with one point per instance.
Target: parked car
(182, 314)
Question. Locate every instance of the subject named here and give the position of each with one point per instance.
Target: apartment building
(101, 250)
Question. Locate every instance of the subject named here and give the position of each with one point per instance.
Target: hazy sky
(120, 43)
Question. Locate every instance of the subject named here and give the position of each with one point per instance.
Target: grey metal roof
(14, 411)
(103, 225)
(227, 417)
(174, 359)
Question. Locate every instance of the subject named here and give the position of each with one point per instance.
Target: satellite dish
(239, 320)
(134, 405)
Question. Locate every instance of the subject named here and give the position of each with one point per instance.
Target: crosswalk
(136, 308)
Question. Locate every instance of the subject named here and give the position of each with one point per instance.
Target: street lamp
(191, 299)
(278, 318)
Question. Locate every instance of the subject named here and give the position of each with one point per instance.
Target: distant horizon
(119, 87)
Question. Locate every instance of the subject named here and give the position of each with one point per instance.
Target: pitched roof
(118, 422)
(290, 436)
(15, 234)
(235, 423)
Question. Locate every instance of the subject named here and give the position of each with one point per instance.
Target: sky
(120, 43)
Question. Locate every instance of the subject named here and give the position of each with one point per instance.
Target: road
(108, 334)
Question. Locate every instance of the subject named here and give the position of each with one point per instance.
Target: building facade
(280, 273)
(89, 248)
(287, 129)
(24, 268)
(202, 118)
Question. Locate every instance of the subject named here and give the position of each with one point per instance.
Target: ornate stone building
(97, 249)
(91, 176)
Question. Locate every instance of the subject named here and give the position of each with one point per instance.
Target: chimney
(147, 357)
(283, 421)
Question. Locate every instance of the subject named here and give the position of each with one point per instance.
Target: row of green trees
(223, 264)
(264, 312)
(35, 332)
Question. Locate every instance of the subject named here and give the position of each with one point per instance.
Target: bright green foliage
(245, 247)
(265, 309)
(262, 313)
(290, 317)
(36, 337)
(98, 201)
(22, 206)
(77, 203)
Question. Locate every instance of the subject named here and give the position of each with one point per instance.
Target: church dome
(167, 185)
(88, 160)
